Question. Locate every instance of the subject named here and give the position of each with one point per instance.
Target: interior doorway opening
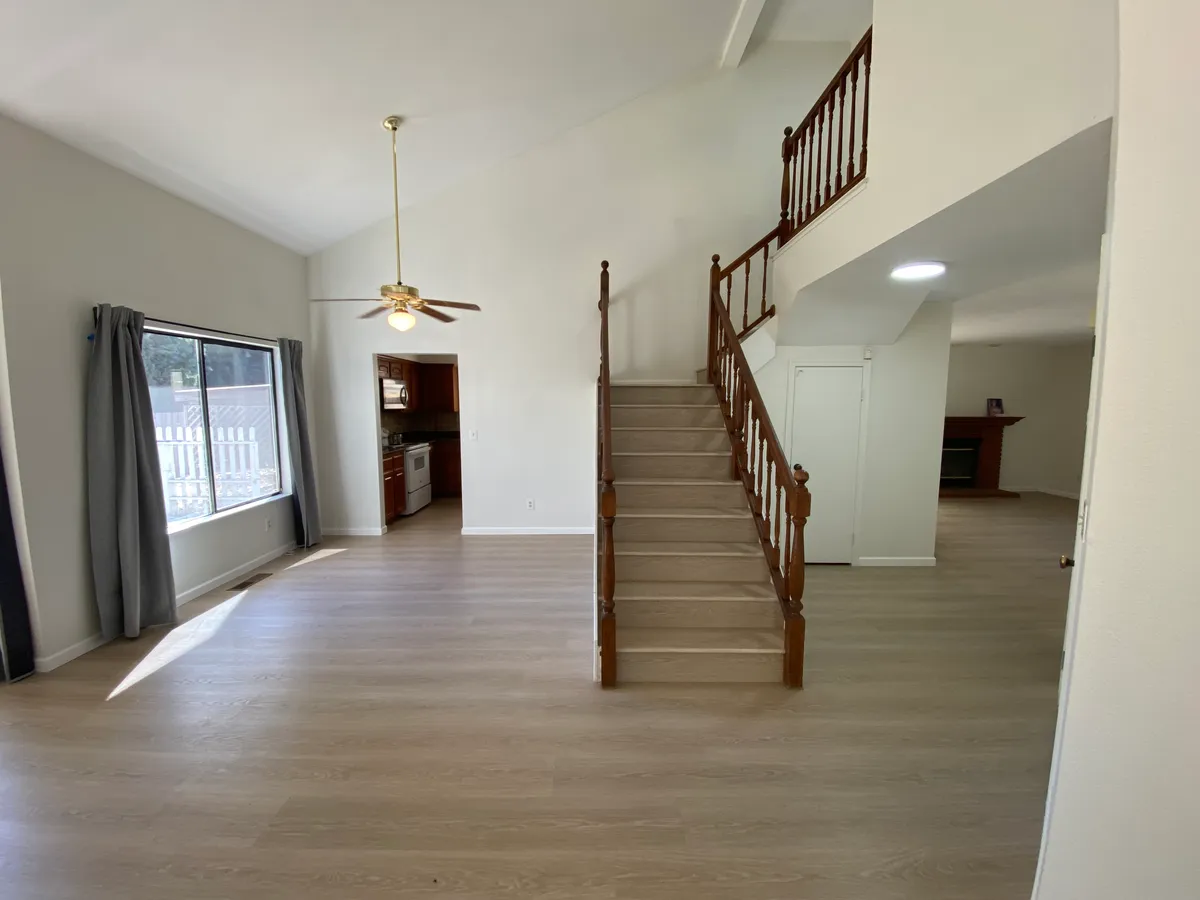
(419, 439)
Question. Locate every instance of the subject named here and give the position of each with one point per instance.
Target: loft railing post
(608, 503)
(785, 194)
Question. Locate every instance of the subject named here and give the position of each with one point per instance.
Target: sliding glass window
(215, 421)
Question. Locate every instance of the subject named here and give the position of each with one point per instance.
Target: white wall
(656, 186)
(961, 94)
(1045, 383)
(75, 232)
(897, 518)
(1124, 808)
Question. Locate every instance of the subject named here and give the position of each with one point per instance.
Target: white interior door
(825, 423)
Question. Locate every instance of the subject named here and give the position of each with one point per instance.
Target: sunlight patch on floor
(188, 636)
(320, 554)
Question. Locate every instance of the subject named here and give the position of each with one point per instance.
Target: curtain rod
(233, 334)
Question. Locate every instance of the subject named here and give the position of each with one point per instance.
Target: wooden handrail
(806, 190)
(608, 503)
(778, 493)
(742, 265)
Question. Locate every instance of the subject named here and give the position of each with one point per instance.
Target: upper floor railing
(826, 155)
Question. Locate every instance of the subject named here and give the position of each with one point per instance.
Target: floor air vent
(251, 581)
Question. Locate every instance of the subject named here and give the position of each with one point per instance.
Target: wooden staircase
(704, 564)
(693, 589)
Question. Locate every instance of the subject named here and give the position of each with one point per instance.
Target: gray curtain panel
(295, 413)
(127, 515)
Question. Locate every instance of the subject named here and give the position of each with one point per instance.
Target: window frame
(271, 348)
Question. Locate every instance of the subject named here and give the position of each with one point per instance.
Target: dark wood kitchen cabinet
(394, 493)
(439, 387)
(446, 468)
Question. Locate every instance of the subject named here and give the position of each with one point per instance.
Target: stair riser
(714, 667)
(628, 529)
(700, 467)
(700, 395)
(691, 568)
(713, 495)
(638, 613)
(633, 440)
(664, 416)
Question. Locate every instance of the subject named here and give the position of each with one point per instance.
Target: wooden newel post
(714, 285)
(608, 580)
(608, 504)
(799, 509)
(785, 191)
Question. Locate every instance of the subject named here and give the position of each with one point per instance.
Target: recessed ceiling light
(918, 271)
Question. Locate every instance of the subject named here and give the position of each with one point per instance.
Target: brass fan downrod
(392, 124)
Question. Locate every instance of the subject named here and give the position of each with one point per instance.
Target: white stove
(416, 478)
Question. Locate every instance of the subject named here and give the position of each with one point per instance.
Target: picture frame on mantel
(995, 406)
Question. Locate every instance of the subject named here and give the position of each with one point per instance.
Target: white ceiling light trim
(919, 271)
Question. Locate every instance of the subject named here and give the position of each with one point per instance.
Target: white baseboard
(62, 657)
(354, 532)
(570, 529)
(201, 589)
(896, 561)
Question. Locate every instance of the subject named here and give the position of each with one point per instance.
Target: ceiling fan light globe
(402, 320)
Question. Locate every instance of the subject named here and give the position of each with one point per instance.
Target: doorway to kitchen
(420, 462)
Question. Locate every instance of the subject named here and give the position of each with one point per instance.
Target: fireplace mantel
(988, 431)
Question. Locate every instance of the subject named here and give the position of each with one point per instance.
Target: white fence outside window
(182, 460)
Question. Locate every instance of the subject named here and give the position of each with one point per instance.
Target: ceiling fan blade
(440, 316)
(451, 303)
(375, 312)
(345, 300)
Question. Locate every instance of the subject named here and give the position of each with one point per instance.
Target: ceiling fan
(401, 299)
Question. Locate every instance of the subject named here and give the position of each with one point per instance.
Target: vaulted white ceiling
(267, 111)
(816, 20)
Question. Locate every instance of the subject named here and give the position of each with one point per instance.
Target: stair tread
(699, 640)
(695, 590)
(675, 481)
(723, 454)
(658, 405)
(720, 428)
(685, 512)
(688, 548)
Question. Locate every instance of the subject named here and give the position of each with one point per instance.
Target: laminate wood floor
(414, 716)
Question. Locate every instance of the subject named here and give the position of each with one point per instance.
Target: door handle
(1065, 562)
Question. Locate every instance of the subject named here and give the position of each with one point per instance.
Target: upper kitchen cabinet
(439, 387)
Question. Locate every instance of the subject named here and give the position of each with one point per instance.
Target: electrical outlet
(529, 503)
(472, 435)
(268, 524)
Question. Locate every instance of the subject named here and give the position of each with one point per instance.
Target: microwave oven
(394, 393)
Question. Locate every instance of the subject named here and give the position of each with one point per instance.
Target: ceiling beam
(740, 31)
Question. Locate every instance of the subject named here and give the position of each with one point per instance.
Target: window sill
(189, 524)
